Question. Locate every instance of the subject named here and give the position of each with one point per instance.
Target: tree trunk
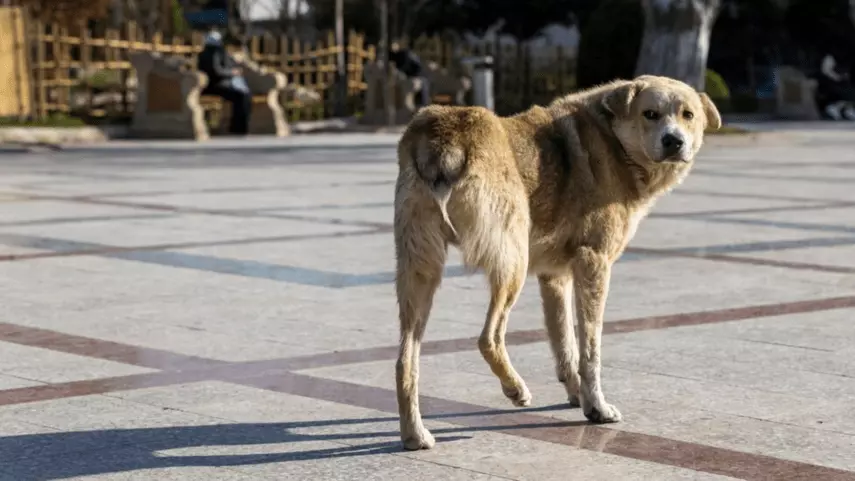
(677, 39)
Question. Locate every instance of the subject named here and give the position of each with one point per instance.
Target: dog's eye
(650, 115)
(688, 115)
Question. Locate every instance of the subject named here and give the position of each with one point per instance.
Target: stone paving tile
(128, 463)
(839, 216)
(682, 201)
(680, 233)
(634, 292)
(366, 212)
(778, 386)
(18, 251)
(828, 332)
(726, 183)
(13, 382)
(44, 365)
(309, 421)
(95, 423)
(168, 230)
(827, 256)
(270, 199)
(658, 404)
(41, 210)
(516, 458)
(373, 256)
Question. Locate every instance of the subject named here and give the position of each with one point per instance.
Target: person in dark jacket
(225, 80)
(835, 87)
(408, 63)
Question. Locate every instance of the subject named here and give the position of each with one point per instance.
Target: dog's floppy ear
(619, 100)
(710, 111)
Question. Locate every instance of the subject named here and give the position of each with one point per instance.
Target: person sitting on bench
(835, 88)
(408, 63)
(225, 80)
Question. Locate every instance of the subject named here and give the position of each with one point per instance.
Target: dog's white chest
(634, 220)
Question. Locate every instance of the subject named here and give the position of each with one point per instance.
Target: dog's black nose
(672, 144)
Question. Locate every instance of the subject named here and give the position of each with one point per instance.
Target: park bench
(445, 87)
(795, 95)
(170, 103)
(403, 98)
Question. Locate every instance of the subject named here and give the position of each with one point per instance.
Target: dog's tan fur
(555, 191)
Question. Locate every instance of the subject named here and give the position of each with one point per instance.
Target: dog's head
(659, 119)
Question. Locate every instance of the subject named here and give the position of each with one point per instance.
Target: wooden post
(19, 38)
(156, 41)
(341, 69)
(132, 46)
(86, 59)
(40, 68)
(29, 24)
(311, 76)
(197, 41)
(58, 75)
(297, 63)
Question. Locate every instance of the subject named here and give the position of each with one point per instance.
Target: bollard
(482, 81)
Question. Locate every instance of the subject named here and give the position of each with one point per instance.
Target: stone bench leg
(167, 104)
(268, 117)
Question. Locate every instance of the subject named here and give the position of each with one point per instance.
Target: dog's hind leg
(421, 253)
(506, 282)
(557, 300)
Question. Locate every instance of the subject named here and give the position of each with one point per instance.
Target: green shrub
(178, 22)
(103, 80)
(716, 87)
(54, 120)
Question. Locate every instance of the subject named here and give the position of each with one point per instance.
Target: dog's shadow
(59, 455)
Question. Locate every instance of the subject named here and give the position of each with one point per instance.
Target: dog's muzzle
(672, 148)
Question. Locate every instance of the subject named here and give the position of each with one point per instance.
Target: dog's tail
(440, 165)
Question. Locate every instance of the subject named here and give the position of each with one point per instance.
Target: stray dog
(556, 191)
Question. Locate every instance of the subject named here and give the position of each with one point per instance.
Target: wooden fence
(14, 74)
(76, 72)
(72, 70)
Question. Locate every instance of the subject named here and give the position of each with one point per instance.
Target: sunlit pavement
(226, 311)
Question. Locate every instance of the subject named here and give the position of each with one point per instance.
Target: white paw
(420, 438)
(607, 414)
(520, 396)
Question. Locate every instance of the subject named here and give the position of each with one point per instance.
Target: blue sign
(208, 18)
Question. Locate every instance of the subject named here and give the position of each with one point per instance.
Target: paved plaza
(172, 311)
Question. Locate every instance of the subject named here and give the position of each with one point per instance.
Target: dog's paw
(574, 401)
(520, 396)
(609, 414)
(420, 439)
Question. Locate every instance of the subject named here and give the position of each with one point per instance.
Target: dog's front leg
(557, 301)
(592, 272)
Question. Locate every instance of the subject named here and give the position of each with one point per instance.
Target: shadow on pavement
(60, 455)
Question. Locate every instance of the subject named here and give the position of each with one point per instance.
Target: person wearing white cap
(225, 80)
